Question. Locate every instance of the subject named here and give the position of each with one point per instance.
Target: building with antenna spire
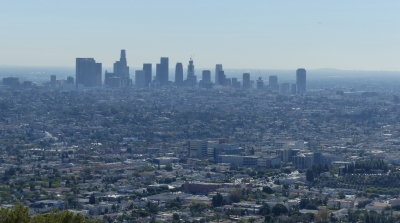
(120, 77)
(191, 77)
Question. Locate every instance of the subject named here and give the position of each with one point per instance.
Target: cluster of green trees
(20, 214)
(309, 203)
(279, 213)
(217, 200)
(196, 209)
(366, 167)
(371, 217)
(381, 190)
(315, 171)
(157, 190)
(267, 189)
(174, 204)
(276, 210)
(166, 180)
(371, 176)
(149, 210)
(391, 180)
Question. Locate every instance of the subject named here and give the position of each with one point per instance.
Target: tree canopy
(20, 214)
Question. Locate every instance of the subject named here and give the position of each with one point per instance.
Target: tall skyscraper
(206, 79)
(246, 81)
(260, 84)
(121, 70)
(273, 83)
(218, 69)
(191, 78)
(88, 72)
(148, 73)
(222, 80)
(301, 78)
(164, 61)
(140, 79)
(120, 76)
(179, 74)
(206, 76)
(162, 70)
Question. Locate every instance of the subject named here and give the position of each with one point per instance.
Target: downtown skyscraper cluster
(89, 74)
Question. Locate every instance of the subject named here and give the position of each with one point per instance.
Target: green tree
(235, 196)
(152, 208)
(217, 200)
(267, 190)
(92, 199)
(309, 175)
(265, 210)
(20, 214)
(197, 208)
(168, 168)
(176, 217)
(174, 204)
(60, 217)
(279, 209)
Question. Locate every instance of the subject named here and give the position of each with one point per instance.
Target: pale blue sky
(280, 34)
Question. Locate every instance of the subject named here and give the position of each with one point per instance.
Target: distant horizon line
(226, 68)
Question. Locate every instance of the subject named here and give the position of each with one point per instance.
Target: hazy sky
(279, 34)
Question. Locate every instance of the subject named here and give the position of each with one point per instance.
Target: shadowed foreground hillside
(20, 214)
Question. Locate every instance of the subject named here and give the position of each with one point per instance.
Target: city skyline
(357, 35)
(88, 73)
